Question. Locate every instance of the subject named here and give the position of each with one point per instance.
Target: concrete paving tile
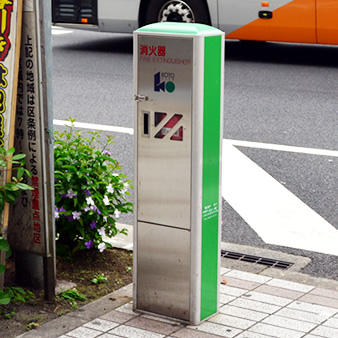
(224, 270)
(232, 321)
(265, 298)
(224, 299)
(310, 317)
(274, 331)
(153, 325)
(83, 332)
(161, 319)
(248, 334)
(240, 283)
(108, 335)
(251, 277)
(280, 292)
(325, 301)
(324, 293)
(132, 332)
(187, 333)
(220, 330)
(280, 283)
(243, 313)
(101, 325)
(313, 308)
(232, 291)
(295, 324)
(325, 331)
(332, 322)
(312, 336)
(127, 308)
(255, 306)
(118, 316)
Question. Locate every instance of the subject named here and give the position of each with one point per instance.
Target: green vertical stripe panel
(211, 165)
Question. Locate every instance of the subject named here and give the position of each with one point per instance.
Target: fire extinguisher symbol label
(164, 81)
(172, 123)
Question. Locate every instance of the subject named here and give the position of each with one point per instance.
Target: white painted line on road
(92, 126)
(279, 147)
(277, 215)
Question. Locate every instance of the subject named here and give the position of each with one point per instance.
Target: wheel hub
(176, 11)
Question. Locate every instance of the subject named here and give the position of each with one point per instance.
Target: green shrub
(90, 193)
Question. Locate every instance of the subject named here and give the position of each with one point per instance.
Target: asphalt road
(274, 93)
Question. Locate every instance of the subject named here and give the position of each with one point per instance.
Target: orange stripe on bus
(293, 22)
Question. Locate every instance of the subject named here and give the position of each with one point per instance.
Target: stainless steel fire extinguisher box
(178, 84)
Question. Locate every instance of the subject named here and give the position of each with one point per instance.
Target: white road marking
(290, 149)
(272, 211)
(92, 126)
(277, 215)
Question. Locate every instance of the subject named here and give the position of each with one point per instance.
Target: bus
(297, 21)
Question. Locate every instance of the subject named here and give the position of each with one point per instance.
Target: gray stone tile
(224, 271)
(127, 308)
(274, 331)
(153, 325)
(280, 292)
(232, 291)
(306, 316)
(83, 332)
(251, 277)
(118, 316)
(313, 308)
(108, 335)
(255, 306)
(325, 331)
(239, 323)
(101, 325)
(240, 283)
(248, 334)
(325, 293)
(265, 298)
(280, 283)
(312, 336)
(220, 330)
(314, 299)
(224, 299)
(187, 333)
(132, 332)
(298, 325)
(243, 313)
(332, 322)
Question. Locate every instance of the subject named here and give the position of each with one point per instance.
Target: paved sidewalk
(266, 303)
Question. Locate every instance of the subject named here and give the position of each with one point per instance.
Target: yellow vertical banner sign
(10, 38)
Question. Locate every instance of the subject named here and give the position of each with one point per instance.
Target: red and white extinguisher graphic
(178, 135)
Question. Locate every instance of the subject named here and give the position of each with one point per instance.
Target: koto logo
(164, 81)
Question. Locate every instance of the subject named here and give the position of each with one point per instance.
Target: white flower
(106, 200)
(56, 214)
(101, 246)
(76, 214)
(117, 213)
(110, 188)
(101, 231)
(105, 218)
(90, 201)
(87, 208)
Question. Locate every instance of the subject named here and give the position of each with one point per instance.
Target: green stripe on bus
(210, 185)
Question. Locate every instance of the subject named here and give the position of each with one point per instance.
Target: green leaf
(24, 186)
(4, 244)
(5, 298)
(20, 172)
(11, 151)
(11, 187)
(2, 268)
(18, 157)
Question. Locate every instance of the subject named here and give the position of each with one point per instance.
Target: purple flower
(63, 195)
(93, 225)
(106, 152)
(89, 244)
(71, 194)
(76, 214)
(62, 209)
(87, 192)
(95, 209)
(70, 218)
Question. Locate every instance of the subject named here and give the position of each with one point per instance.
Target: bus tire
(177, 11)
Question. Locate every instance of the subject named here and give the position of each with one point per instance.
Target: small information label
(210, 211)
